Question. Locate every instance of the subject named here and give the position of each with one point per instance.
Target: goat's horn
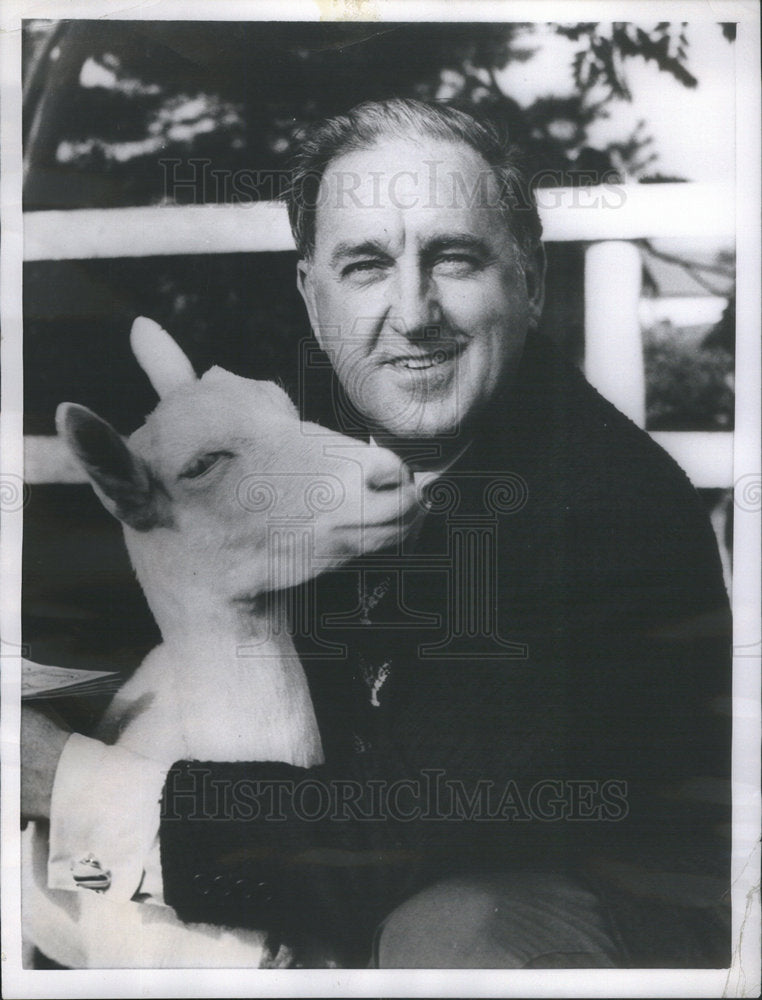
(160, 357)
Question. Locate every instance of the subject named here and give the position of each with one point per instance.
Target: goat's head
(224, 493)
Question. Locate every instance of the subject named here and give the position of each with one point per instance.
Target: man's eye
(457, 264)
(363, 267)
(197, 467)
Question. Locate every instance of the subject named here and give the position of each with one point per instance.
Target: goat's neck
(259, 621)
(233, 687)
(236, 687)
(187, 609)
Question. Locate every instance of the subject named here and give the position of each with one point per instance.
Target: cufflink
(88, 873)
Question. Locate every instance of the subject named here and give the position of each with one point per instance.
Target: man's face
(415, 289)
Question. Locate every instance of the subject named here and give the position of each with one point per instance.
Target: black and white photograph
(380, 499)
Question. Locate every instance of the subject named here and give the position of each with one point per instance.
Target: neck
(260, 620)
(188, 616)
(237, 687)
(225, 661)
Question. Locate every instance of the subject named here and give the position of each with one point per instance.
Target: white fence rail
(606, 216)
(706, 456)
(605, 212)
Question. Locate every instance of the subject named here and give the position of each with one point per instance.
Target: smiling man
(519, 706)
(415, 283)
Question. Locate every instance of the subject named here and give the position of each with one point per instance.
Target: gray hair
(363, 126)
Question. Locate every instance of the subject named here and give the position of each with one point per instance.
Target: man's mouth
(421, 361)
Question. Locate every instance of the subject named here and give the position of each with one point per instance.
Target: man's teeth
(426, 361)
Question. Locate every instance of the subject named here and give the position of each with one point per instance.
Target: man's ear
(534, 275)
(119, 477)
(306, 288)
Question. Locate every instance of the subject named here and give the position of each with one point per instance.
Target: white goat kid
(225, 497)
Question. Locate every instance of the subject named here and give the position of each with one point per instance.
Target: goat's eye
(197, 467)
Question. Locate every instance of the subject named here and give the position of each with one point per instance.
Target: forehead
(428, 184)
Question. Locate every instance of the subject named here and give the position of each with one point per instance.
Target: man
(517, 707)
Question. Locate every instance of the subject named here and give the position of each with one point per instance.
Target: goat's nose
(386, 471)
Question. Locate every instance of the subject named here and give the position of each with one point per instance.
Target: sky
(694, 130)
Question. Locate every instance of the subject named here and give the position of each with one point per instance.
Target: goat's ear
(119, 477)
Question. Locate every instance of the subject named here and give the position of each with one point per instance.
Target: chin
(445, 422)
(408, 419)
(430, 430)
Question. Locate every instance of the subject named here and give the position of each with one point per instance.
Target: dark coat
(543, 668)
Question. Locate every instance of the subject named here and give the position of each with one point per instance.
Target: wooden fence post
(613, 344)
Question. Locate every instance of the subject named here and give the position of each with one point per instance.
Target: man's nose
(414, 311)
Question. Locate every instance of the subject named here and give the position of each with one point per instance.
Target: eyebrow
(457, 241)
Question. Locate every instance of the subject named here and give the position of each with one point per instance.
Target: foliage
(105, 99)
(724, 334)
(689, 386)
(605, 47)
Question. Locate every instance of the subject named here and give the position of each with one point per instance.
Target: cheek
(484, 306)
(241, 509)
(347, 325)
(329, 303)
(497, 341)
(466, 306)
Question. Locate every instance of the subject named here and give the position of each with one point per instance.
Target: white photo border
(742, 979)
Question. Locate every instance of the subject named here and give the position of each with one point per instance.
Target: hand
(43, 735)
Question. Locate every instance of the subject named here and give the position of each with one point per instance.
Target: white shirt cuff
(105, 811)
